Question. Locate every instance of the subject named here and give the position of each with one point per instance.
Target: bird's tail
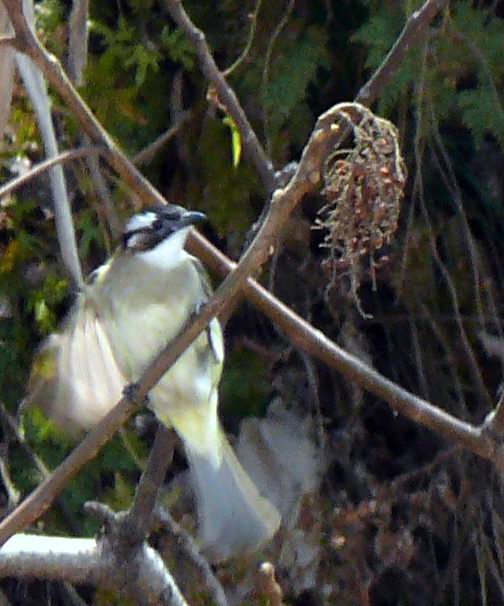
(233, 517)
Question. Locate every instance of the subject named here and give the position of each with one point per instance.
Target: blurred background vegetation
(398, 516)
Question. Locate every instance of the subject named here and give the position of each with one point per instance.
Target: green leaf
(228, 190)
(236, 146)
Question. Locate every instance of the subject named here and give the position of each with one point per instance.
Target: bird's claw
(131, 392)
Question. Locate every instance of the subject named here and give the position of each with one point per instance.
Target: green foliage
(229, 189)
(123, 49)
(379, 33)
(294, 67)
(44, 300)
(456, 82)
(482, 113)
(178, 47)
(90, 234)
(133, 65)
(245, 386)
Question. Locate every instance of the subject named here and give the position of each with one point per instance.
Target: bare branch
(37, 90)
(6, 69)
(315, 343)
(244, 54)
(35, 171)
(78, 40)
(44, 495)
(227, 97)
(191, 551)
(147, 154)
(141, 514)
(142, 576)
(416, 27)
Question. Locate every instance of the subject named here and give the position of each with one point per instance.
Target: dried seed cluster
(363, 187)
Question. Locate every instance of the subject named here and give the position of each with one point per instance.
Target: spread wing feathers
(75, 377)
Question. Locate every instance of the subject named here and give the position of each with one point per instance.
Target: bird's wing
(214, 330)
(75, 377)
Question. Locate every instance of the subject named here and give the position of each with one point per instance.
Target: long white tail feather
(233, 517)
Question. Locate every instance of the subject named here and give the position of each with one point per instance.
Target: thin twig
(105, 203)
(8, 41)
(227, 97)
(148, 153)
(12, 493)
(192, 552)
(267, 62)
(38, 169)
(13, 429)
(415, 29)
(244, 54)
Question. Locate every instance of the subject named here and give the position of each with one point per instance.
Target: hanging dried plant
(363, 186)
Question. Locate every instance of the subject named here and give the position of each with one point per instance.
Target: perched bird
(128, 310)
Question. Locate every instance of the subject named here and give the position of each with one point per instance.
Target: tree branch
(148, 153)
(35, 171)
(226, 95)
(140, 516)
(415, 28)
(142, 577)
(315, 343)
(191, 551)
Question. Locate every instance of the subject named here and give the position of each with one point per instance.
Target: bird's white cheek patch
(141, 221)
(168, 253)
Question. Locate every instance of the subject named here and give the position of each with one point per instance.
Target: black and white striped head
(159, 234)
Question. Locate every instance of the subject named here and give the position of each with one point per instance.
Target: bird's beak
(192, 217)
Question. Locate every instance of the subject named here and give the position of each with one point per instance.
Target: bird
(126, 312)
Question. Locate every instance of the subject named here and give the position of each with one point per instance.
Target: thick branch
(315, 343)
(143, 576)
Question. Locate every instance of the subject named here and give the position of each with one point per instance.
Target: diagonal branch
(415, 29)
(226, 95)
(42, 167)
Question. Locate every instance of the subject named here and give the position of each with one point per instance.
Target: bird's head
(145, 230)
(159, 234)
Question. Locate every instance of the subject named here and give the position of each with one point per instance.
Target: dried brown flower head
(363, 186)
